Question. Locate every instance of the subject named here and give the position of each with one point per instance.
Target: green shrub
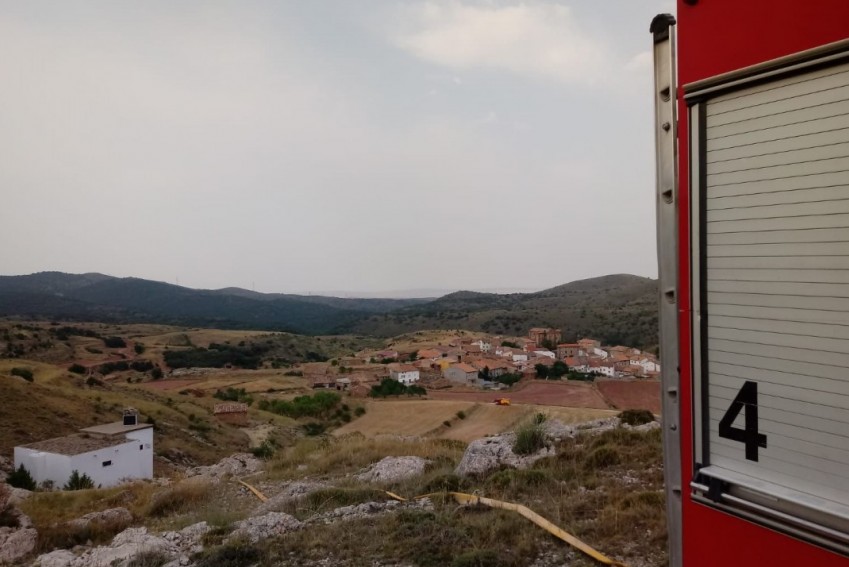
(508, 379)
(530, 438)
(110, 367)
(359, 411)
(238, 554)
(234, 395)
(479, 558)
(636, 416)
(314, 428)
(602, 457)
(24, 373)
(446, 423)
(76, 368)
(150, 558)
(444, 483)
(390, 387)
(264, 451)
(218, 356)
(522, 478)
(319, 405)
(114, 342)
(20, 478)
(78, 482)
(461, 414)
(138, 348)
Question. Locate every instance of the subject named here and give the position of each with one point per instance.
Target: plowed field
(540, 392)
(631, 394)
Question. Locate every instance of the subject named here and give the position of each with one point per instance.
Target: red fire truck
(752, 133)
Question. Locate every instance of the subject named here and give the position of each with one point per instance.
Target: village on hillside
(483, 362)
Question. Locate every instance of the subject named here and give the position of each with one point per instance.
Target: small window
(141, 447)
(107, 463)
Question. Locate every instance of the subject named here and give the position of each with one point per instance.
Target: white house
(484, 345)
(405, 374)
(518, 357)
(603, 368)
(545, 353)
(109, 454)
(649, 365)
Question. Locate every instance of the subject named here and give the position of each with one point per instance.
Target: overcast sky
(328, 145)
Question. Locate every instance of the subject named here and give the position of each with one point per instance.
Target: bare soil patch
(538, 392)
(631, 394)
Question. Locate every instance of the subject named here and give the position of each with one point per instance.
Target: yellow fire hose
(256, 492)
(472, 500)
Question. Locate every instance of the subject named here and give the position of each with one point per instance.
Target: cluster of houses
(481, 361)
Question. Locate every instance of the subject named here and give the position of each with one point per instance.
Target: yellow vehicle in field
(502, 401)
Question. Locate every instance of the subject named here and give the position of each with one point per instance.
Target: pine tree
(21, 478)
(78, 482)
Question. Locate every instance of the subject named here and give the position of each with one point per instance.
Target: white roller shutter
(774, 279)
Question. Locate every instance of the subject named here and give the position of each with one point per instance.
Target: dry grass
(426, 417)
(172, 507)
(404, 417)
(50, 512)
(322, 457)
(606, 489)
(178, 498)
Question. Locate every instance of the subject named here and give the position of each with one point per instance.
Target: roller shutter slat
(776, 280)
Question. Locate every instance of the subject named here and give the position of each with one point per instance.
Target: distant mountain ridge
(616, 309)
(107, 298)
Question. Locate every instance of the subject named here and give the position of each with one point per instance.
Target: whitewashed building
(405, 374)
(600, 352)
(603, 368)
(108, 454)
(649, 365)
(545, 353)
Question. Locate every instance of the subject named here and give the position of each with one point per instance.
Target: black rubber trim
(703, 282)
(660, 27)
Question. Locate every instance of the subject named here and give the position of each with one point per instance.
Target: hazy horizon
(394, 145)
(412, 293)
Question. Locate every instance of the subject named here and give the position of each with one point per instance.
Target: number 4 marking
(747, 401)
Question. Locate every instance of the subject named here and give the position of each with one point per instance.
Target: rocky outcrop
(16, 543)
(290, 493)
(393, 469)
(112, 516)
(130, 544)
(490, 453)
(18, 495)
(240, 464)
(263, 527)
(359, 511)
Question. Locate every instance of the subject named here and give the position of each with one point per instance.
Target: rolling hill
(99, 297)
(616, 308)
